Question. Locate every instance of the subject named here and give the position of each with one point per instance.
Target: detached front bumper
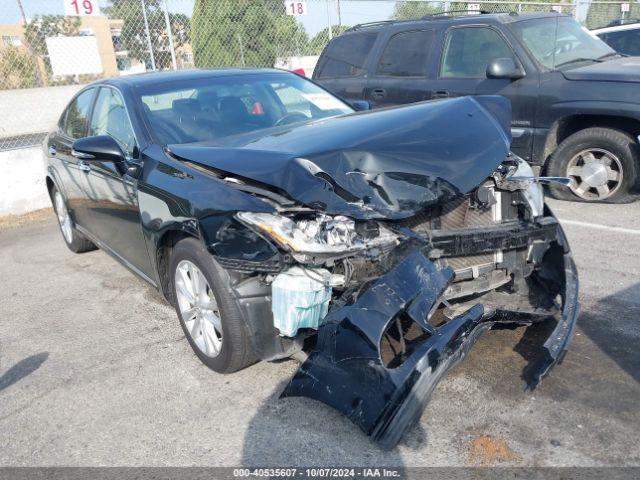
(346, 370)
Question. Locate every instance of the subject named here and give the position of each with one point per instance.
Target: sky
(352, 11)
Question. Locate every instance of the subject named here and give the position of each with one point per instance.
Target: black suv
(575, 101)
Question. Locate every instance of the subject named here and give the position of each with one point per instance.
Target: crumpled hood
(626, 69)
(388, 163)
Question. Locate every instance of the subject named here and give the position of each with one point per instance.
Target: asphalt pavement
(95, 370)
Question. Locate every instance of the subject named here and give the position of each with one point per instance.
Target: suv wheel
(75, 241)
(208, 313)
(602, 164)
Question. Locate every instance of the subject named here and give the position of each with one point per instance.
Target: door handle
(52, 150)
(378, 93)
(441, 94)
(83, 166)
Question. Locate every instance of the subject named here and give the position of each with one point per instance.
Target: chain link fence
(52, 43)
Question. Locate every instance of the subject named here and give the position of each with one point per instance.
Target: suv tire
(209, 314)
(603, 164)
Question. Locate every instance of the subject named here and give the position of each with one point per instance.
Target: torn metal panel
(346, 369)
(558, 342)
(357, 165)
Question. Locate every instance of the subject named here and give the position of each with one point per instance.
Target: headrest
(186, 105)
(232, 107)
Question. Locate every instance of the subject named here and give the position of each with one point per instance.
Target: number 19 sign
(295, 8)
(83, 8)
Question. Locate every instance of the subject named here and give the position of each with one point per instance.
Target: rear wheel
(75, 241)
(602, 164)
(208, 313)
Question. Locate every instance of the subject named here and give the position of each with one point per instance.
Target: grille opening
(467, 213)
(400, 339)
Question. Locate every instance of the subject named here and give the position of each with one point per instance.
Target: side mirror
(101, 148)
(504, 68)
(360, 105)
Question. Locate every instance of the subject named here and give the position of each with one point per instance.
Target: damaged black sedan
(277, 220)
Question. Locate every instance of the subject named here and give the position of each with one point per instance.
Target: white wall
(22, 181)
(33, 110)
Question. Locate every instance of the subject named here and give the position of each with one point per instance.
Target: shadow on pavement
(21, 369)
(303, 432)
(300, 431)
(612, 324)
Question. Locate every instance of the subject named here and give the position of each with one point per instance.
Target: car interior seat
(235, 116)
(187, 113)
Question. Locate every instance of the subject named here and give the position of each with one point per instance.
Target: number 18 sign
(83, 8)
(295, 8)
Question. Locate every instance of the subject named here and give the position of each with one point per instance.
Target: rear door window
(75, 123)
(345, 56)
(468, 50)
(406, 54)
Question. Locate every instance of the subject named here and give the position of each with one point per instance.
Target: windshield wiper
(610, 54)
(577, 60)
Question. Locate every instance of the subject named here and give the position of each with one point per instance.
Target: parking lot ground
(94, 370)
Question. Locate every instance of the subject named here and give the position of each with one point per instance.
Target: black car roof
(475, 19)
(151, 78)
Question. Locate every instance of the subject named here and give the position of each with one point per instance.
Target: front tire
(208, 313)
(74, 240)
(602, 164)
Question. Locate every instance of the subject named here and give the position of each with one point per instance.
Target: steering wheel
(290, 118)
(564, 47)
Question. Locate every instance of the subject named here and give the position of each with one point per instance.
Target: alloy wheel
(63, 217)
(595, 174)
(198, 308)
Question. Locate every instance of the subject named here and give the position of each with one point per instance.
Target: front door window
(110, 118)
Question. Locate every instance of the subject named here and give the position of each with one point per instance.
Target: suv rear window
(624, 41)
(406, 54)
(345, 56)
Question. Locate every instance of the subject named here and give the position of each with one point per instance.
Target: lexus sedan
(279, 221)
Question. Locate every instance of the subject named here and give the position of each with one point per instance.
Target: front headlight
(317, 235)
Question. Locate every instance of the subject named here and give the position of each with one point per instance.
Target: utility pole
(168, 22)
(24, 17)
(339, 14)
(329, 19)
(146, 30)
(241, 48)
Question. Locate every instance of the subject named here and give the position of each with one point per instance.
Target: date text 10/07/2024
(317, 472)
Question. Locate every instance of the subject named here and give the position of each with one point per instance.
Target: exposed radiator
(457, 214)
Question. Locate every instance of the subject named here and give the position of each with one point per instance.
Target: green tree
(415, 10)
(320, 39)
(17, 69)
(134, 36)
(244, 33)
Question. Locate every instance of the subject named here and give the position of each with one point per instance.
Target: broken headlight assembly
(517, 174)
(313, 237)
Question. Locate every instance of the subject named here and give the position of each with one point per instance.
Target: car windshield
(207, 109)
(561, 43)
